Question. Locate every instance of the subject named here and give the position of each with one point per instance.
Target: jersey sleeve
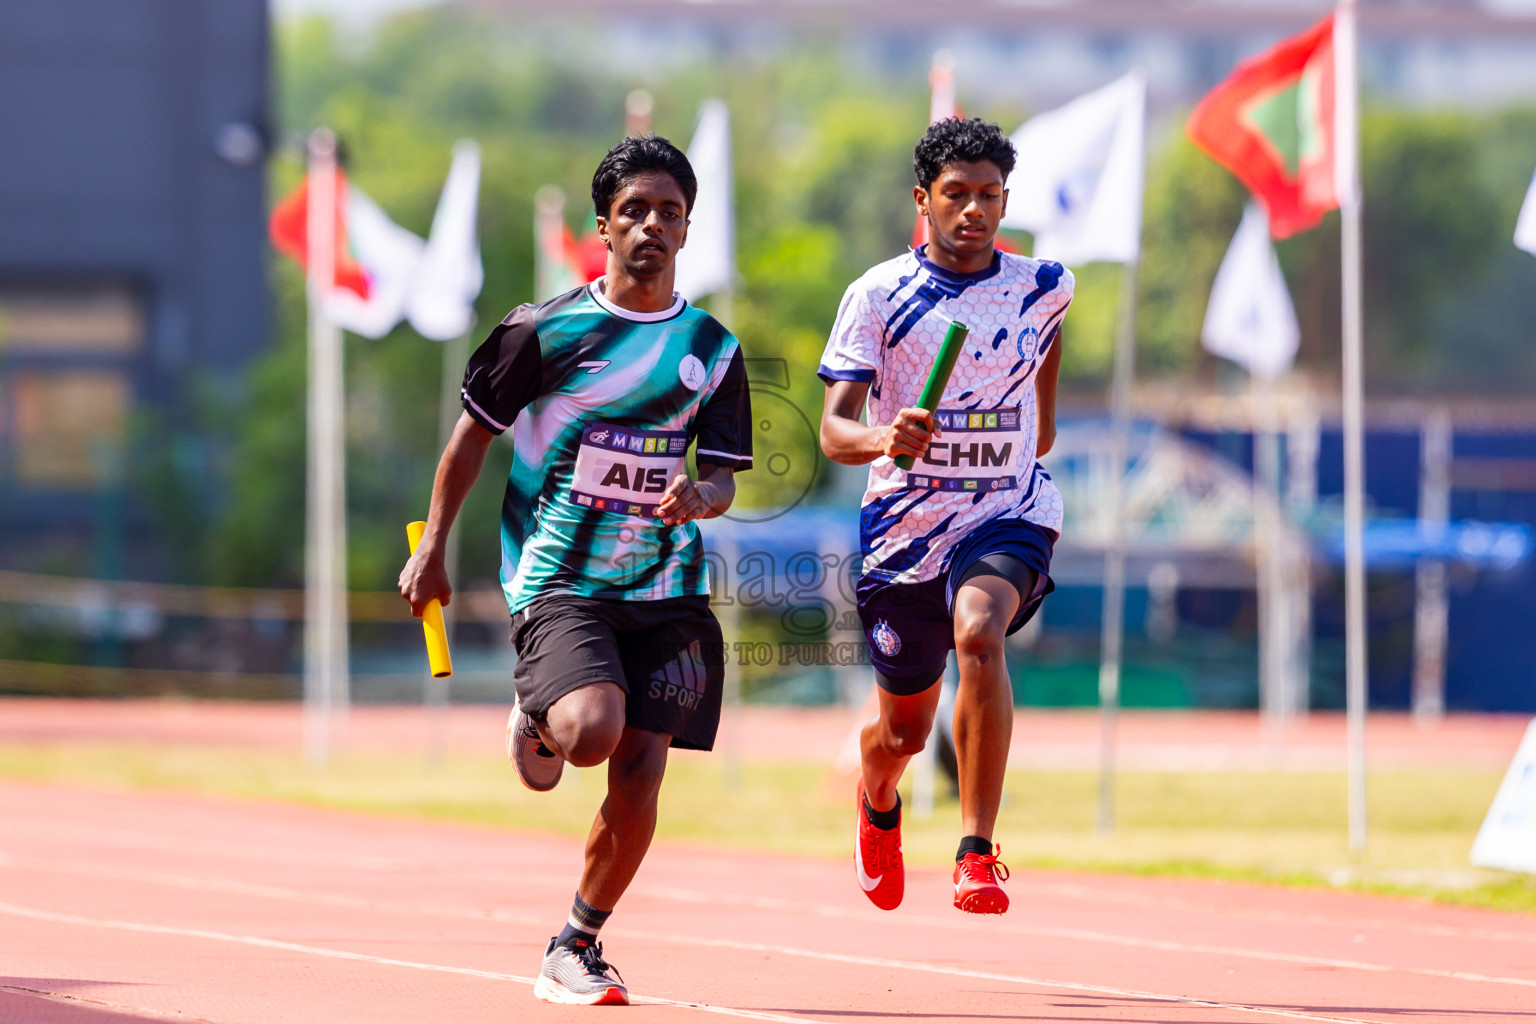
(504, 373)
(1065, 289)
(853, 350)
(725, 420)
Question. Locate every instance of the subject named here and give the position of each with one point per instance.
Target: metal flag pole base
(1113, 627)
(325, 572)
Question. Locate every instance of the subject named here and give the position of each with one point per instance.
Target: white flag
(707, 262)
(1525, 227)
(1078, 182)
(388, 255)
(1250, 319)
(442, 299)
(1508, 837)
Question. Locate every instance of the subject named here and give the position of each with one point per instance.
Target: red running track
(129, 906)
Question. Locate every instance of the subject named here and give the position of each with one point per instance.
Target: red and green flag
(1278, 123)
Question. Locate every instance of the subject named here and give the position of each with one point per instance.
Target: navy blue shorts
(910, 627)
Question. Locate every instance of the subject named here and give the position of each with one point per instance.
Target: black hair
(956, 140)
(637, 155)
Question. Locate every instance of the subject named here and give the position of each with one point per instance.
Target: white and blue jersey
(982, 467)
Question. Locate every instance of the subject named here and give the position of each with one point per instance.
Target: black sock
(973, 844)
(885, 820)
(582, 926)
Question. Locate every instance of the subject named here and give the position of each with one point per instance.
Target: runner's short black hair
(956, 140)
(637, 155)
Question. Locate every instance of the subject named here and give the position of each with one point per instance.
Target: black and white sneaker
(579, 976)
(537, 766)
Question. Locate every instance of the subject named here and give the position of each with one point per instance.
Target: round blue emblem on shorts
(886, 640)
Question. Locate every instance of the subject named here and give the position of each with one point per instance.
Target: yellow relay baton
(432, 619)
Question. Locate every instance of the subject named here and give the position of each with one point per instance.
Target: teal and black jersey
(603, 403)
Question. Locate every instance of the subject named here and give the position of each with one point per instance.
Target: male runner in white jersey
(957, 551)
(619, 657)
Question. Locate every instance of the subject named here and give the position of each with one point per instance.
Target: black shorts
(910, 627)
(667, 656)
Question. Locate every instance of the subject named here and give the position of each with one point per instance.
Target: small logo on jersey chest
(1027, 342)
(691, 372)
(885, 638)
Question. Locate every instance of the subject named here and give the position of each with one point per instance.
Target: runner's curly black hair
(637, 155)
(956, 140)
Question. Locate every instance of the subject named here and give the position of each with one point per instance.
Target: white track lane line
(1071, 890)
(147, 841)
(767, 903)
(1079, 934)
(753, 947)
(344, 954)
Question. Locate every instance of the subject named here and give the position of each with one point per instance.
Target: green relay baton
(938, 377)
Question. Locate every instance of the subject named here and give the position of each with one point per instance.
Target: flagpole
(548, 232)
(1112, 635)
(1275, 698)
(325, 608)
(1354, 427)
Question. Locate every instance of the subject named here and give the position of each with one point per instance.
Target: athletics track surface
(127, 906)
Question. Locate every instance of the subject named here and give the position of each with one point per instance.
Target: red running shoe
(979, 883)
(877, 859)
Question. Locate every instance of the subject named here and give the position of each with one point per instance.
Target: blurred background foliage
(823, 154)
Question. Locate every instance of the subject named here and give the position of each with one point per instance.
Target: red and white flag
(561, 260)
(376, 259)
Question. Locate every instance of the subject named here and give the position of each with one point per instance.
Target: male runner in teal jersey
(619, 657)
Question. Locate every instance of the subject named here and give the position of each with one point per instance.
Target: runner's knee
(591, 745)
(906, 737)
(978, 637)
(587, 723)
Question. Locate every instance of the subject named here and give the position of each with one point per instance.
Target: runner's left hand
(681, 501)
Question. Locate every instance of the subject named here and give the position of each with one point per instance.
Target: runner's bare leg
(622, 831)
(984, 607)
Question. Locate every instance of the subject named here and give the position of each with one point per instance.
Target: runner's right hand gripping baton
(938, 377)
(432, 618)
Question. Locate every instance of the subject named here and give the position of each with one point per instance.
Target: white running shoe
(537, 766)
(579, 976)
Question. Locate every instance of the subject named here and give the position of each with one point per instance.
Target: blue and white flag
(1508, 837)
(1078, 182)
(1250, 319)
(1525, 227)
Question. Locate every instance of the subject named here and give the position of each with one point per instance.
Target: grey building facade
(132, 235)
